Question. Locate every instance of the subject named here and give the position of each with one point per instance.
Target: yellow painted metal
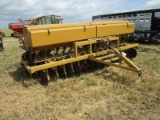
(125, 59)
(33, 69)
(114, 29)
(37, 36)
(73, 59)
(63, 35)
(65, 25)
(54, 26)
(75, 35)
(116, 65)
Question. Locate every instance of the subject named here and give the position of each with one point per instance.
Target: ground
(106, 94)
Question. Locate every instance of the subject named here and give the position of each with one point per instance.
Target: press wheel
(43, 78)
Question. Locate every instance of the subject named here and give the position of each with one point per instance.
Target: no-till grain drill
(61, 50)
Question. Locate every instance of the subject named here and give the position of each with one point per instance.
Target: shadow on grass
(21, 76)
(115, 77)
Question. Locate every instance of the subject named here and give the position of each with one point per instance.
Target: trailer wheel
(134, 52)
(131, 53)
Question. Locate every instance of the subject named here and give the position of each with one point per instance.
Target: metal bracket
(48, 31)
(84, 28)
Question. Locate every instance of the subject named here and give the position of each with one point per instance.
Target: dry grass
(110, 93)
(7, 32)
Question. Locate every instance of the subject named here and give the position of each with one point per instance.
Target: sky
(70, 10)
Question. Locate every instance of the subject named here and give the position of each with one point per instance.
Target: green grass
(7, 31)
(110, 93)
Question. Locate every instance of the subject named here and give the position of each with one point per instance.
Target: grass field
(107, 94)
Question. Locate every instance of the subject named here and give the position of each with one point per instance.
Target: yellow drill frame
(91, 56)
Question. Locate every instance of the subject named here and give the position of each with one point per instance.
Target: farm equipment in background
(147, 24)
(50, 19)
(2, 34)
(143, 38)
(63, 50)
(18, 27)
